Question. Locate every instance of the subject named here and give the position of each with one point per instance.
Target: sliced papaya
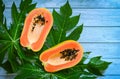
(36, 28)
(64, 55)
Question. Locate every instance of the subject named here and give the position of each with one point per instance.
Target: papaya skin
(36, 28)
(52, 60)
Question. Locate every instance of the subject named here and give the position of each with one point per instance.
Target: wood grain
(101, 34)
(106, 50)
(75, 4)
(90, 17)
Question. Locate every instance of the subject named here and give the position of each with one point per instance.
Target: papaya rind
(52, 48)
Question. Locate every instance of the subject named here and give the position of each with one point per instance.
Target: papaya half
(64, 55)
(36, 28)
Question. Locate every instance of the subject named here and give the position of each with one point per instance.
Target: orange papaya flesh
(36, 28)
(64, 55)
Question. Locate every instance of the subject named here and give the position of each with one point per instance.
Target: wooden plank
(106, 50)
(81, 3)
(101, 19)
(89, 17)
(100, 34)
(109, 77)
(74, 4)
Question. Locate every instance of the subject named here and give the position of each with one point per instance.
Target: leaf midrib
(62, 29)
(14, 38)
(18, 23)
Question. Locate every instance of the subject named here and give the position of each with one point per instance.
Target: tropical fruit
(64, 55)
(36, 28)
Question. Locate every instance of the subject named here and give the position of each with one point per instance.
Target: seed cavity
(38, 20)
(33, 28)
(69, 54)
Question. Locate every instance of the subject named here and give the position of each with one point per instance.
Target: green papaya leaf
(87, 75)
(15, 58)
(2, 8)
(9, 36)
(75, 35)
(72, 22)
(63, 23)
(97, 66)
(85, 57)
(14, 13)
(30, 71)
(66, 10)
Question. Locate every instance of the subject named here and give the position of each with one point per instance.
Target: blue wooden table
(101, 33)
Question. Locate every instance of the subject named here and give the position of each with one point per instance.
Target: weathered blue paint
(101, 34)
